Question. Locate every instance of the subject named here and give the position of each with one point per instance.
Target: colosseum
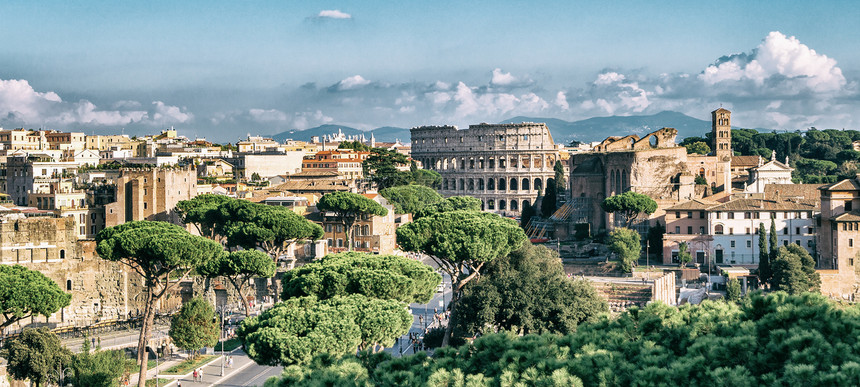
(504, 165)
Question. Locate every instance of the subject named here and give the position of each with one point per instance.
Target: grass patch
(188, 365)
(229, 345)
(161, 382)
(135, 368)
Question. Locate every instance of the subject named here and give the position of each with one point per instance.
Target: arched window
(611, 181)
(471, 184)
(365, 230)
(501, 204)
(525, 185)
(491, 204)
(514, 205)
(480, 184)
(68, 284)
(62, 254)
(718, 229)
(525, 203)
(502, 184)
(538, 184)
(513, 184)
(625, 182)
(462, 184)
(445, 184)
(491, 184)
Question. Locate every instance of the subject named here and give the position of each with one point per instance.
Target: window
(677, 229)
(731, 231)
(749, 244)
(731, 215)
(785, 231)
(677, 214)
(702, 215)
(797, 230)
(68, 284)
(62, 254)
(328, 228)
(144, 205)
(732, 243)
(689, 229)
(689, 214)
(748, 230)
(848, 205)
(717, 215)
(785, 243)
(747, 215)
(850, 263)
(809, 243)
(773, 215)
(718, 229)
(850, 242)
(702, 230)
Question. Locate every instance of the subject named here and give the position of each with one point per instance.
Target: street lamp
(61, 375)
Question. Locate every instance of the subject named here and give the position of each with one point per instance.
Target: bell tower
(721, 129)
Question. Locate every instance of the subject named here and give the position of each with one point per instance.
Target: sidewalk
(211, 370)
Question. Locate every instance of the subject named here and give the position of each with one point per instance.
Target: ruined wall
(150, 194)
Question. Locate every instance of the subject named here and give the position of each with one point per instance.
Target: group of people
(198, 375)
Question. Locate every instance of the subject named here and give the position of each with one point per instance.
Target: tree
(408, 199)
(154, 250)
(25, 293)
(629, 205)
(698, 147)
(794, 270)
(453, 203)
(195, 326)
(37, 354)
(426, 178)
(354, 145)
(239, 267)
(461, 242)
(526, 214)
(700, 180)
(527, 292)
(388, 277)
(255, 177)
(347, 207)
(733, 290)
(684, 256)
(548, 205)
(252, 225)
(381, 167)
(98, 368)
(655, 239)
(203, 212)
(560, 181)
(764, 270)
(624, 242)
(298, 329)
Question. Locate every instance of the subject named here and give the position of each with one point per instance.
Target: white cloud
(352, 82)
(333, 14)
(561, 101)
(23, 106)
(779, 56)
(501, 78)
(268, 115)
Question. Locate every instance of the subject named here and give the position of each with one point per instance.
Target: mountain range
(591, 129)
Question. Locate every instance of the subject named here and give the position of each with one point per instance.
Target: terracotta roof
(695, 204)
(853, 216)
(805, 191)
(745, 161)
(311, 174)
(765, 205)
(844, 185)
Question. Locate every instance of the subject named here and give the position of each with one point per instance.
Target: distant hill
(386, 133)
(598, 128)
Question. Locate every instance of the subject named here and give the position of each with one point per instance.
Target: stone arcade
(504, 165)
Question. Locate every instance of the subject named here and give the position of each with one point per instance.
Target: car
(440, 288)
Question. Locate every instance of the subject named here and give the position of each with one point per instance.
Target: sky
(225, 69)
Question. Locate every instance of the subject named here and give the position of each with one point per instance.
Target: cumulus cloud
(333, 14)
(502, 78)
(781, 57)
(350, 83)
(561, 101)
(22, 106)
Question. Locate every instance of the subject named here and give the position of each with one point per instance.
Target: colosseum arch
(502, 204)
(471, 184)
(538, 184)
(612, 181)
(513, 185)
(502, 184)
(514, 205)
(525, 185)
(480, 184)
(491, 184)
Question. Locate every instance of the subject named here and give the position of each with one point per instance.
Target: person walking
(194, 376)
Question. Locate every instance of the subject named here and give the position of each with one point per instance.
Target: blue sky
(223, 69)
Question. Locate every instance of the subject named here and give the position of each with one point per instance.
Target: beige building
(25, 139)
(504, 165)
(245, 165)
(257, 144)
(345, 162)
(66, 141)
(151, 194)
(839, 238)
(370, 233)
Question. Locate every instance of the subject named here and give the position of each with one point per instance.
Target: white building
(734, 227)
(772, 172)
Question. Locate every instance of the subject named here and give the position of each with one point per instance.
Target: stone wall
(504, 165)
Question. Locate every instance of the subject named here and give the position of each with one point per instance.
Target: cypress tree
(763, 256)
(774, 244)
